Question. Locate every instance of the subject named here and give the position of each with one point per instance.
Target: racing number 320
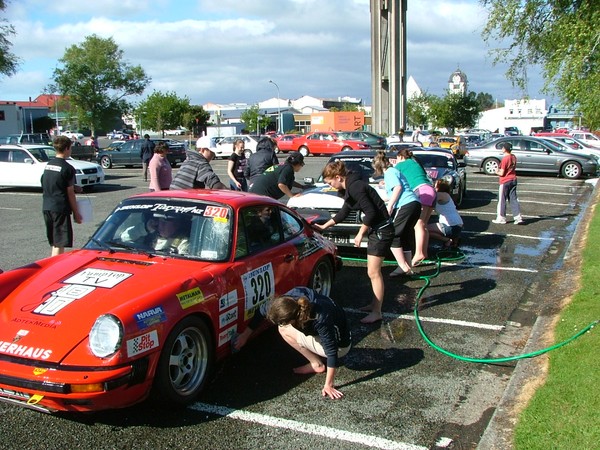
(258, 285)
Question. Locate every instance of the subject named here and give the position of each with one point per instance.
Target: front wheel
(571, 170)
(105, 162)
(304, 151)
(185, 362)
(321, 279)
(345, 149)
(490, 166)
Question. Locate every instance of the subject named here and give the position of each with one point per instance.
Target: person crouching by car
(313, 325)
(261, 160)
(278, 181)
(196, 172)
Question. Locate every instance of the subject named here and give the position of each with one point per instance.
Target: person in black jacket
(146, 154)
(313, 325)
(258, 162)
(277, 181)
(376, 225)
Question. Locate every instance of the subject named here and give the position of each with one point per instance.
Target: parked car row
(128, 153)
(23, 165)
(533, 154)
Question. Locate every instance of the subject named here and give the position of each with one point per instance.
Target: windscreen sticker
(190, 298)
(98, 277)
(216, 212)
(259, 286)
(226, 335)
(162, 208)
(142, 343)
(61, 298)
(228, 300)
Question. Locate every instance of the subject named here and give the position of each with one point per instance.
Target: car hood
(53, 308)
(82, 165)
(323, 196)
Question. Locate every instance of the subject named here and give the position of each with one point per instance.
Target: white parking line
(11, 209)
(481, 213)
(317, 430)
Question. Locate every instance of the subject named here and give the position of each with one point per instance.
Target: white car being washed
(23, 165)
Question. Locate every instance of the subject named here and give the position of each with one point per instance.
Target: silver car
(533, 155)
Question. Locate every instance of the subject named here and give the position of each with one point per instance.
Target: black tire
(174, 164)
(304, 151)
(106, 162)
(571, 170)
(345, 149)
(490, 166)
(321, 279)
(185, 363)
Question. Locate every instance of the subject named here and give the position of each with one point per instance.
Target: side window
(19, 156)
(291, 225)
(536, 146)
(3, 155)
(262, 226)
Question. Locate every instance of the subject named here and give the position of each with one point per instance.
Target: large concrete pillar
(388, 65)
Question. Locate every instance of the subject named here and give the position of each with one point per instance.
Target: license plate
(92, 179)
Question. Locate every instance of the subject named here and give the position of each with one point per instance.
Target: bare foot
(309, 368)
(367, 308)
(372, 318)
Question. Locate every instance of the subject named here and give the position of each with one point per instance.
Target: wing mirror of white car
(309, 180)
(28, 161)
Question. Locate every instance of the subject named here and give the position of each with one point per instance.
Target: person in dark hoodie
(196, 171)
(358, 194)
(260, 161)
(277, 181)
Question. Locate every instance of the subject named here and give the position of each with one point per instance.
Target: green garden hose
(456, 255)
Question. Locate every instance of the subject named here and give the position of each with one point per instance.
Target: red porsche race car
(152, 300)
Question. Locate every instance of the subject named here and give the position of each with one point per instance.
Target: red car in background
(326, 143)
(285, 142)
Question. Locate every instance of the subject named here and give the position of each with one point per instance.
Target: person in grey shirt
(196, 172)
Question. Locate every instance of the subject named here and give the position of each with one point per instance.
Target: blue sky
(225, 51)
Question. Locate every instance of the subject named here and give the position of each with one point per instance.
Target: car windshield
(361, 165)
(193, 230)
(429, 160)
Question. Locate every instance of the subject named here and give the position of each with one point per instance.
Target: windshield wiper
(102, 244)
(130, 248)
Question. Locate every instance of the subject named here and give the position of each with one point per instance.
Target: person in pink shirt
(159, 168)
(508, 187)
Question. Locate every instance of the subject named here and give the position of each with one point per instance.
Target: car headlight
(448, 179)
(106, 336)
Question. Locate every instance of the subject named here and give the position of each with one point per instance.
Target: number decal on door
(259, 286)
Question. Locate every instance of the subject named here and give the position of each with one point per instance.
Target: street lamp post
(279, 124)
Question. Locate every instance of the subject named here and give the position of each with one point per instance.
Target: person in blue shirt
(313, 325)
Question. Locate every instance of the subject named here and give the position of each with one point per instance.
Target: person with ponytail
(313, 325)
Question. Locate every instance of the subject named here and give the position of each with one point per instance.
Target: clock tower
(457, 83)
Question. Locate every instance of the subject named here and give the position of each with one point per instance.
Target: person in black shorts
(358, 194)
(58, 198)
(278, 181)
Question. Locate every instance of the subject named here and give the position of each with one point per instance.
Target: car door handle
(288, 258)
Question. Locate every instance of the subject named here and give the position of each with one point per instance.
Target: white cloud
(227, 51)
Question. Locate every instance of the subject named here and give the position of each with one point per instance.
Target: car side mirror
(309, 180)
(28, 161)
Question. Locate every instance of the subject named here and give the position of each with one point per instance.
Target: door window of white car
(4, 155)
(19, 156)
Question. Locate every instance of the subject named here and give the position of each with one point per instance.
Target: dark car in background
(533, 155)
(128, 154)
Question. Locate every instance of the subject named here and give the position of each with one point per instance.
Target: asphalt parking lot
(399, 391)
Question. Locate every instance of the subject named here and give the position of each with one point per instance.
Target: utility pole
(388, 65)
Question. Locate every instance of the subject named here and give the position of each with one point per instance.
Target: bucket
(84, 205)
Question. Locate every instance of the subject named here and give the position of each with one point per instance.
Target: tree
(485, 101)
(455, 110)
(97, 81)
(254, 121)
(163, 111)
(417, 110)
(9, 63)
(196, 119)
(559, 35)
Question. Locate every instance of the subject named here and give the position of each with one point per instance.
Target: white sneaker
(519, 221)
(501, 220)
